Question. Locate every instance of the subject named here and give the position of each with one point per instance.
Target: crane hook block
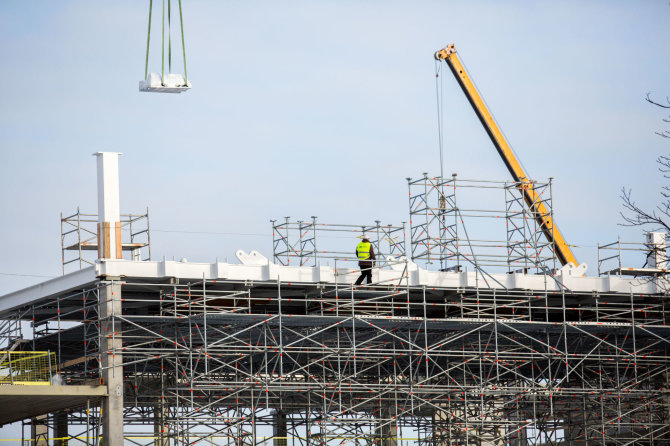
(170, 83)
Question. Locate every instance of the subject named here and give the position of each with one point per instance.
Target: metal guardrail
(27, 367)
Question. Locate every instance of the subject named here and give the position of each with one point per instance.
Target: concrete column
(308, 427)
(39, 431)
(440, 428)
(519, 438)
(60, 429)
(279, 430)
(112, 374)
(387, 432)
(160, 426)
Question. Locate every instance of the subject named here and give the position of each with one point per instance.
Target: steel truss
(236, 363)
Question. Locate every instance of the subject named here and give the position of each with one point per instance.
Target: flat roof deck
(398, 275)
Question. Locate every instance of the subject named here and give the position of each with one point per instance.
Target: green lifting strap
(146, 61)
(169, 36)
(163, 46)
(183, 44)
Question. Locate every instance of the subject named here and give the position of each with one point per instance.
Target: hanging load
(165, 82)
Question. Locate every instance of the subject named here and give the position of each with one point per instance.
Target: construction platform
(258, 352)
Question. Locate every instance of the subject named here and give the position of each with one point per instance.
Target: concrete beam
(23, 402)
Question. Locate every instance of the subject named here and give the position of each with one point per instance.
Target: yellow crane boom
(525, 184)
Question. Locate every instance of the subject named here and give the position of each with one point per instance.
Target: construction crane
(525, 185)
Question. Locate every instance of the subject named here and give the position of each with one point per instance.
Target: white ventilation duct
(657, 257)
(109, 218)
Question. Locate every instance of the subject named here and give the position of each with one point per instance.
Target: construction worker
(366, 255)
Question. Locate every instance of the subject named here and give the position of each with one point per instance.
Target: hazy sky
(319, 108)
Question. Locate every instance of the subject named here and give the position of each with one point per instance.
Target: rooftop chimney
(109, 219)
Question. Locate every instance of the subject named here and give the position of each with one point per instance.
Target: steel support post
(112, 362)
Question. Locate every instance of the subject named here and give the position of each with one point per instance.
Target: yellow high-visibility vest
(363, 250)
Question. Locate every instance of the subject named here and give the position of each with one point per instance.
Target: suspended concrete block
(171, 83)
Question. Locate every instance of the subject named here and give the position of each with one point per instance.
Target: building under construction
(460, 339)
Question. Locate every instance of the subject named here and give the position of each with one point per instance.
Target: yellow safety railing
(27, 368)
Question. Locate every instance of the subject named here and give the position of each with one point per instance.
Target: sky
(302, 108)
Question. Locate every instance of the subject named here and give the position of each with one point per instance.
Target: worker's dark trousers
(366, 271)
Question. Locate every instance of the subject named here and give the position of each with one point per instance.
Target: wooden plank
(119, 251)
(99, 244)
(107, 250)
(71, 362)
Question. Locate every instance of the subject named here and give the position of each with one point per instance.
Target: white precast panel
(169, 83)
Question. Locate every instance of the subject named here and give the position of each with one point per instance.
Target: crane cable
(440, 124)
(183, 44)
(518, 159)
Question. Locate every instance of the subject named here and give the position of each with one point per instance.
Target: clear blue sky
(319, 108)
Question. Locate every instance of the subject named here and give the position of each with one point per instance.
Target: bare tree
(655, 218)
(658, 217)
(652, 220)
(663, 133)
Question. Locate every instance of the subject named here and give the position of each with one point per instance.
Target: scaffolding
(297, 240)
(79, 238)
(440, 235)
(648, 259)
(241, 362)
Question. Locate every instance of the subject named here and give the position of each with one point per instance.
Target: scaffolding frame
(439, 233)
(298, 240)
(616, 258)
(527, 245)
(236, 363)
(79, 237)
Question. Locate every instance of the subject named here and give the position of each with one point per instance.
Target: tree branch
(648, 99)
(638, 217)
